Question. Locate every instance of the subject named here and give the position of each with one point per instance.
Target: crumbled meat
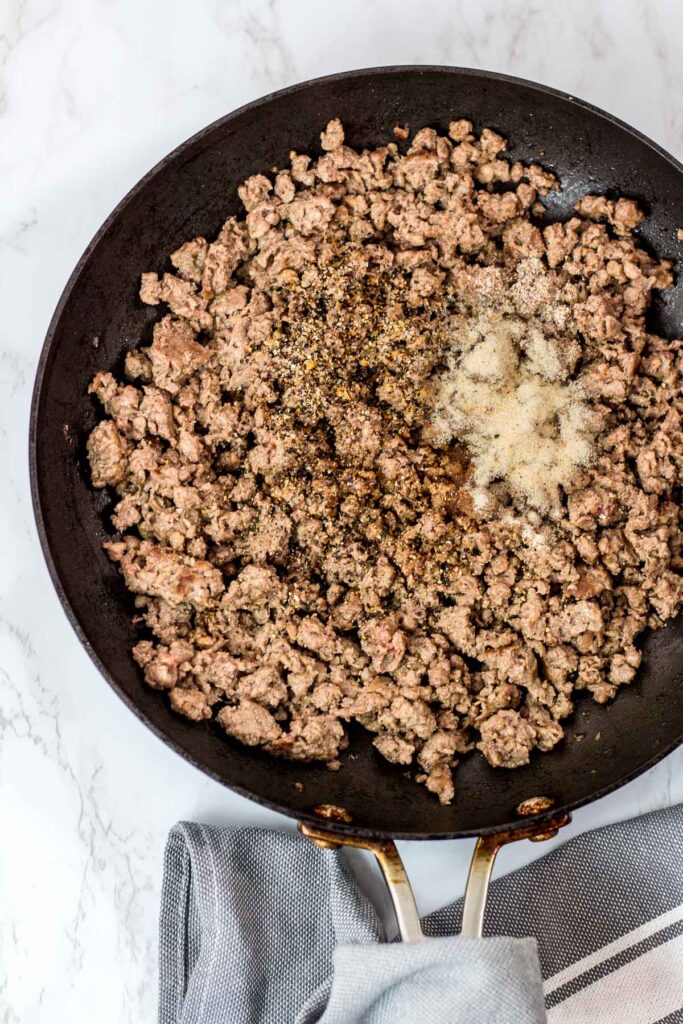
(149, 289)
(192, 703)
(250, 723)
(107, 455)
(507, 739)
(623, 214)
(333, 136)
(301, 550)
(189, 259)
(179, 579)
(313, 738)
(163, 665)
(174, 354)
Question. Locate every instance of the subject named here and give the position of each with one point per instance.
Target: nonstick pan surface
(100, 315)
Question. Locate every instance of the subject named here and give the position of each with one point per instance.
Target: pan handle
(393, 869)
(481, 869)
(395, 876)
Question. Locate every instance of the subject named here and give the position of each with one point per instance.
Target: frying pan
(99, 316)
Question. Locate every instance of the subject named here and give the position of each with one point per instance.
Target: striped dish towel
(260, 927)
(607, 911)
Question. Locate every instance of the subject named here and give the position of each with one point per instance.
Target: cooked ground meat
(303, 550)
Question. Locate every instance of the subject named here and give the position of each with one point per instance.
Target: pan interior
(100, 316)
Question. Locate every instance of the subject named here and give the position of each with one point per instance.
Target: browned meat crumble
(304, 552)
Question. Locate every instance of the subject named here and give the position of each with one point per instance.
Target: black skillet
(100, 315)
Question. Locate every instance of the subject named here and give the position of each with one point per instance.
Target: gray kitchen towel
(440, 981)
(262, 927)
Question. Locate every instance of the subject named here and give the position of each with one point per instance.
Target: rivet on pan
(332, 813)
(535, 805)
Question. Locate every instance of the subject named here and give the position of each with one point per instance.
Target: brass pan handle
(393, 869)
(481, 869)
(395, 876)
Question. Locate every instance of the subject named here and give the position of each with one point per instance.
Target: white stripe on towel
(657, 924)
(643, 991)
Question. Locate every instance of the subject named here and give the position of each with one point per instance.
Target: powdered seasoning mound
(507, 395)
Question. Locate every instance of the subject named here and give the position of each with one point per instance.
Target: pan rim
(41, 381)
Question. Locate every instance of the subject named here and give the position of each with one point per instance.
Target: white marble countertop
(92, 93)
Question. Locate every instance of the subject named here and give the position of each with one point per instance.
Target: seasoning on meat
(507, 394)
(398, 454)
